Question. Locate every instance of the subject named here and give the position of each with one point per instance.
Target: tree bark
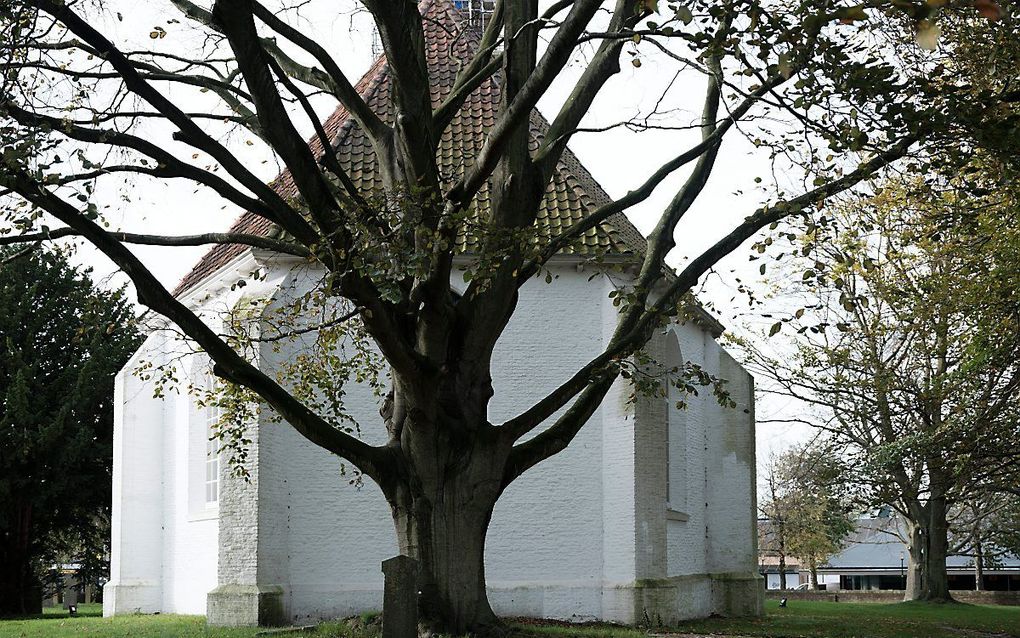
(936, 581)
(18, 585)
(979, 563)
(813, 570)
(449, 475)
(782, 571)
(929, 544)
(447, 538)
(915, 562)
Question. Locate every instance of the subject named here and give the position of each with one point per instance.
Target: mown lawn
(811, 619)
(802, 619)
(870, 620)
(55, 623)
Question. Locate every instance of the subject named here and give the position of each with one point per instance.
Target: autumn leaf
(988, 9)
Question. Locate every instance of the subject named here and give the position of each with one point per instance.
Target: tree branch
(228, 363)
(255, 241)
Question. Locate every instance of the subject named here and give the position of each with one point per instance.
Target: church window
(212, 451)
(212, 461)
(478, 11)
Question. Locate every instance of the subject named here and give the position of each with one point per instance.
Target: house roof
(875, 544)
(571, 195)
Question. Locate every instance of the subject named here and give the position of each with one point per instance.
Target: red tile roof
(571, 195)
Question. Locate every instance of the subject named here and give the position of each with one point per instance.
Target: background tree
(819, 506)
(772, 533)
(910, 351)
(82, 113)
(810, 506)
(62, 339)
(985, 528)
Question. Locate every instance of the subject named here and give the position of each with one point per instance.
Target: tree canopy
(810, 506)
(910, 350)
(62, 339)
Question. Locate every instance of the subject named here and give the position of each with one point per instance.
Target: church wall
(189, 537)
(162, 559)
(708, 509)
(545, 544)
(731, 444)
(588, 534)
(546, 529)
(685, 542)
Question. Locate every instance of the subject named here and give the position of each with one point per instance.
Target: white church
(649, 516)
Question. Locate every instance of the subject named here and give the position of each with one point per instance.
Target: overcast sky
(619, 159)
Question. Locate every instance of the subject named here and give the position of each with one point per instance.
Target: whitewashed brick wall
(570, 539)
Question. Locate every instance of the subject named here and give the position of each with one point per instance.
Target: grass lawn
(89, 623)
(813, 619)
(802, 619)
(870, 620)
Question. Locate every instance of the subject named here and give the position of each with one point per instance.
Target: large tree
(910, 351)
(815, 83)
(62, 340)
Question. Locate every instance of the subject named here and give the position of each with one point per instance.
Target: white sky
(620, 160)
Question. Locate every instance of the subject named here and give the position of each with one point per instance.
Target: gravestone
(71, 599)
(400, 597)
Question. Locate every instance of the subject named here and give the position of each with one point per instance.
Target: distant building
(769, 568)
(875, 557)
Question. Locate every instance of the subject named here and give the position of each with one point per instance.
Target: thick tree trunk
(19, 590)
(813, 571)
(929, 544)
(441, 507)
(936, 580)
(782, 572)
(448, 541)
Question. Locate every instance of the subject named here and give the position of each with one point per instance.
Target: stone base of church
(246, 606)
(667, 601)
(142, 597)
(742, 594)
(659, 602)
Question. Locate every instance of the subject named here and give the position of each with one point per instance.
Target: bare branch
(255, 241)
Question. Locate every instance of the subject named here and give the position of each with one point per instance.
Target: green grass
(89, 623)
(802, 619)
(869, 620)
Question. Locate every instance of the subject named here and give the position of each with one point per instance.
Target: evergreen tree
(62, 339)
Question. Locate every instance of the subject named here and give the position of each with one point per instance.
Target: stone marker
(71, 599)
(400, 597)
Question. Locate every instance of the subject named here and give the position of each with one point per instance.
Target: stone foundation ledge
(246, 606)
(131, 597)
(668, 601)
